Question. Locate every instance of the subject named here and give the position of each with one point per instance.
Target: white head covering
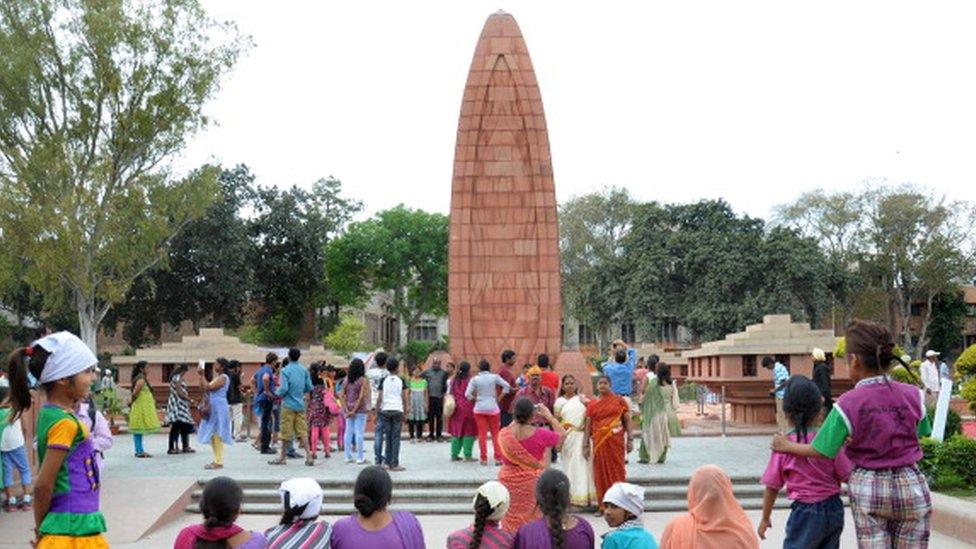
(930, 353)
(69, 356)
(626, 496)
(818, 354)
(497, 496)
(302, 491)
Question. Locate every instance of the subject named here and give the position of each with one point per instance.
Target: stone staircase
(453, 496)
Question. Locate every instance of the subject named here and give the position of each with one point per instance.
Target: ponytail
(482, 510)
(21, 364)
(552, 496)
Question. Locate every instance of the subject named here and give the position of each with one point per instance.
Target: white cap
(930, 354)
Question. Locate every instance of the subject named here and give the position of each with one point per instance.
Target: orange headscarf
(715, 519)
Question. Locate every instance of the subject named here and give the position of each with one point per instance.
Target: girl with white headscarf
(302, 502)
(490, 505)
(66, 492)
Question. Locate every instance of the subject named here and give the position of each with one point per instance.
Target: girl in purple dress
(374, 525)
(220, 504)
(556, 528)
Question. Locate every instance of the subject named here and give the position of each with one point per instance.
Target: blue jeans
(815, 525)
(137, 441)
(355, 434)
(378, 441)
(16, 459)
(391, 424)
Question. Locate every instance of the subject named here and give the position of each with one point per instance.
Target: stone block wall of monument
(504, 276)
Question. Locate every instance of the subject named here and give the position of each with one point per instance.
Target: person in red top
(549, 378)
(506, 399)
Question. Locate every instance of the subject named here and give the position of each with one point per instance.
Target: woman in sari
(608, 426)
(715, 519)
(659, 416)
(524, 448)
(461, 425)
(571, 411)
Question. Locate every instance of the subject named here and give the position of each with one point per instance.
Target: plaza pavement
(143, 499)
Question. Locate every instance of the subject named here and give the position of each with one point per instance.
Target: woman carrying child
(66, 493)
(881, 421)
(817, 518)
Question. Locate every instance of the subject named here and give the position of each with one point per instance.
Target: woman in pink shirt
(817, 518)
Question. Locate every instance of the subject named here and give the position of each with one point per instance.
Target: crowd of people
(868, 438)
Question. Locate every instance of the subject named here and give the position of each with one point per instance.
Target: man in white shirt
(930, 376)
(392, 404)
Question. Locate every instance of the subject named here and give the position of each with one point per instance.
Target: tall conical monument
(504, 281)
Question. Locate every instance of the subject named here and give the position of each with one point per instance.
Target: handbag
(449, 406)
(330, 403)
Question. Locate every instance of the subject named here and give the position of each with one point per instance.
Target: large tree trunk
(90, 317)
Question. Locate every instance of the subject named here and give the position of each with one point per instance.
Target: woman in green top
(418, 405)
(142, 412)
(66, 494)
(659, 418)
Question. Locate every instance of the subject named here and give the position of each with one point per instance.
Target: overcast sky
(754, 102)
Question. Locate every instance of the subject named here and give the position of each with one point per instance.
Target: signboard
(942, 410)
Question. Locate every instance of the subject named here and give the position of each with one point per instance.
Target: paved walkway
(737, 455)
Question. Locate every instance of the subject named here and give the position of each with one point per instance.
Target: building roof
(213, 343)
(777, 335)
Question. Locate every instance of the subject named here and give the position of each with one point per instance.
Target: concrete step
(454, 495)
(450, 508)
(468, 483)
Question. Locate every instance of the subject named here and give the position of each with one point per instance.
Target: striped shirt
(302, 534)
(492, 538)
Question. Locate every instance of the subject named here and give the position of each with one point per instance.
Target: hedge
(950, 464)
(966, 363)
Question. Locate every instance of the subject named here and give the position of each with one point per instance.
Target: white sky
(754, 102)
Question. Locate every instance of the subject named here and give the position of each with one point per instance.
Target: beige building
(735, 362)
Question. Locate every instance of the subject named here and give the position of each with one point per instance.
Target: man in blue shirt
(620, 368)
(781, 374)
(264, 392)
(295, 384)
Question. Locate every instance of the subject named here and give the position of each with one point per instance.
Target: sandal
(310, 462)
(143, 455)
(189, 451)
(172, 451)
(278, 461)
(213, 466)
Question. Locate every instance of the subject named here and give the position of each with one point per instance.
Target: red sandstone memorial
(504, 281)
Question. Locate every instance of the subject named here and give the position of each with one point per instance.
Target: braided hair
(874, 346)
(482, 510)
(292, 513)
(801, 404)
(552, 497)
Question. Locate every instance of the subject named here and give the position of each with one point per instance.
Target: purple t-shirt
(535, 535)
(403, 532)
(808, 480)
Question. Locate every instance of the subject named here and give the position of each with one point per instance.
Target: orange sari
(607, 432)
(518, 474)
(715, 519)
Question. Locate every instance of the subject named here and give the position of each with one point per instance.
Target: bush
(276, 330)
(930, 455)
(900, 373)
(841, 349)
(958, 455)
(953, 423)
(968, 392)
(416, 351)
(966, 363)
(347, 336)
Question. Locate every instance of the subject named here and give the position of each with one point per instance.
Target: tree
(918, 243)
(347, 336)
(402, 251)
(95, 97)
(207, 273)
(591, 232)
(291, 232)
(948, 322)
